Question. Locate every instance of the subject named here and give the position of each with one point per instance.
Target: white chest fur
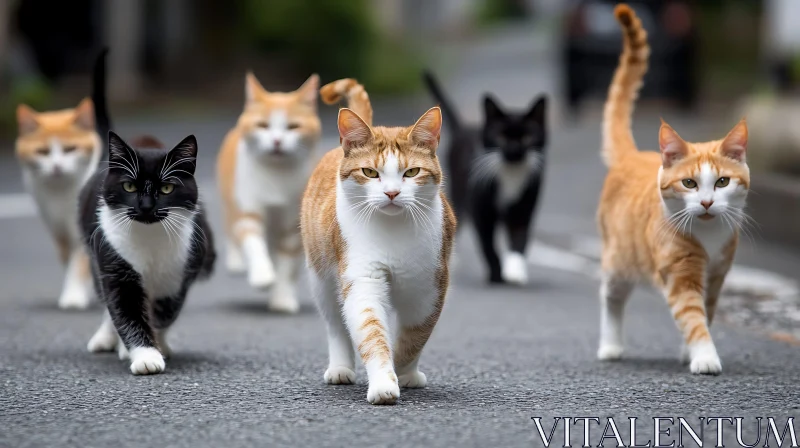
(408, 250)
(512, 178)
(713, 235)
(158, 256)
(262, 183)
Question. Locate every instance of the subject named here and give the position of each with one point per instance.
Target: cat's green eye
(689, 183)
(129, 187)
(411, 173)
(369, 172)
(722, 182)
(167, 188)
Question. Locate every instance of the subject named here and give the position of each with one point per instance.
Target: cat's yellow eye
(43, 151)
(411, 173)
(263, 124)
(292, 126)
(69, 149)
(722, 182)
(369, 172)
(689, 183)
(167, 188)
(129, 187)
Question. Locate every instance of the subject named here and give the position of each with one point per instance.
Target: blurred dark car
(593, 42)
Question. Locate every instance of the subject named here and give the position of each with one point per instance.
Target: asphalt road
(499, 356)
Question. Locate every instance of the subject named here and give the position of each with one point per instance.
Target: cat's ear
(184, 155)
(491, 109)
(672, 146)
(119, 152)
(353, 131)
(252, 88)
(427, 130)
(309, 91)
(734, 146)
(538, 111)
(84, 114)
(26, 119)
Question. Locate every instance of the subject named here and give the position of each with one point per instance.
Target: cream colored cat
(59, 151)
(378, 232)
(263, 167)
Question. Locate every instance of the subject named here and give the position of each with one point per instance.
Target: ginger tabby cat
(670, 218)
(262, 169)
(378, 232)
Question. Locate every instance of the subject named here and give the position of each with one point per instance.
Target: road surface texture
(244, 377)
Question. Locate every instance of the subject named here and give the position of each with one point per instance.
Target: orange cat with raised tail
(671, 218)
(378, 232)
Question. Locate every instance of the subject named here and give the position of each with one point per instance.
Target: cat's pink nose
(391, 194)
(707, 204)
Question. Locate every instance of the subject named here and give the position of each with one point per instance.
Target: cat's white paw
(234, 261)
(383, 390)
(146, 361)
(104, 340)
(74, 299)
(122, 351)
(515, 269)
(610, 352)
(706, 365)
(413, 380)
(340, 375)
(261, 275)
(284, 303)
(705, 360)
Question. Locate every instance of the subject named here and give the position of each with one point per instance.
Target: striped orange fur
(671, 219)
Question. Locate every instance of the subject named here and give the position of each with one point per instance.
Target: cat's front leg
(249, 231)
(365, 306)
(288, 260)
(164, 312)
(127, 306)
(341, 356)
(78, 290)
(417, 320)
(684, 292)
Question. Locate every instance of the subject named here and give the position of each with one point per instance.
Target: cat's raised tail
(350, 89)
(101, 117)
(450, 114)
(624, 89)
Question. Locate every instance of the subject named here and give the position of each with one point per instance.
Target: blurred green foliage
(335, 38)
(33, 91)
(491, 12)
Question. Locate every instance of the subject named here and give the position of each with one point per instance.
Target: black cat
(146, 231)
(494, 176)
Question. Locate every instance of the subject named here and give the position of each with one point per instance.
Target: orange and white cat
(378, 232)
(263, 167)
(58, 152)
(670, 218)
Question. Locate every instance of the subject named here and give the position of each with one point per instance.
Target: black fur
(119, 286)
(510, 138)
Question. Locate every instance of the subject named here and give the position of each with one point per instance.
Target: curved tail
(357, 98)
(625, 86)
(450, 114)
(101, 117)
